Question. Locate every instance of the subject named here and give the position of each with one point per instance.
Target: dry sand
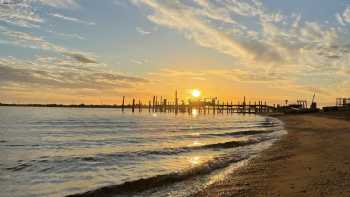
(313, 159)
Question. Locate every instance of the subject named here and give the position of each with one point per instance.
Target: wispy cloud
(71, 19)
(142, 31)
(62, 74)
(139, 61)
(275, 46)
(28, 40)
(340, 19)
(19, 13)
(190, 21)
(60, 3)
(23, 13)
(346, 15)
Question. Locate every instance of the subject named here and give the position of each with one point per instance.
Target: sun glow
(196, 93)
(194, 112)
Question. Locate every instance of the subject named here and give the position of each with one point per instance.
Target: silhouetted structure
(203, 106)
(342, 104)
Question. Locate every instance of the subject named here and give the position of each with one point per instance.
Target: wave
(137, 186)
(109, 159)
(127, 125)
(19, 167)
(239, 133)
(261, 125)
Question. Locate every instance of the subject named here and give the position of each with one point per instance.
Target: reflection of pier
(213, 106)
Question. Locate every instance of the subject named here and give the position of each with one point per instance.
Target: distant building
(342, 104)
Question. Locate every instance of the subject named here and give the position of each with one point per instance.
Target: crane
(313, 104)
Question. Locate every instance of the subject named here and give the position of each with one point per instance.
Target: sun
(196, 93)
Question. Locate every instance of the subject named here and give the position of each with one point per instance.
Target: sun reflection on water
(195, 143)
(195, 134)
(194, 112)
(196, 160)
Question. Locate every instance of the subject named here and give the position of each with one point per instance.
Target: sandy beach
(313, 159)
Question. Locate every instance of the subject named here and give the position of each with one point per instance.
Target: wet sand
(313, 159)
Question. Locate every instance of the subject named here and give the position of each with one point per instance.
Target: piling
(149, 106)
(140, 106)
(154, 103)
(123, 104)
(133, 105)
(176, 103)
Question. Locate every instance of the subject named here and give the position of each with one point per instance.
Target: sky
(96, 51)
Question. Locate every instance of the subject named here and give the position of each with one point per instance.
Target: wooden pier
(213, 106)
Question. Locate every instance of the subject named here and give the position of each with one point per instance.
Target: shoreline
(310, 160)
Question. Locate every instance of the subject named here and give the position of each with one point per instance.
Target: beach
(311, 160)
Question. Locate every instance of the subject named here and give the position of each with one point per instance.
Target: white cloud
(139, 61)
(28, 40)
(61, 3)
(52, 72)
(340, 19)
(23, 13)
(277, 45)
(19, 13)
(346, 15)
(71, 19)
(142, 31)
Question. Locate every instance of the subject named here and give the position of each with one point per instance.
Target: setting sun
(196, 93)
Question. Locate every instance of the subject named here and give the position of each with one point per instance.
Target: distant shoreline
(64, 106)
(311, 160)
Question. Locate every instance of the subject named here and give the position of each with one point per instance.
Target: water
(62, 151)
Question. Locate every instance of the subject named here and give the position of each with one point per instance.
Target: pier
(160, 104)
(202, 106)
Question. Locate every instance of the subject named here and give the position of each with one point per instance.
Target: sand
(313, 159)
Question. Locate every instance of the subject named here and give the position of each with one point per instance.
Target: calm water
(59, 151)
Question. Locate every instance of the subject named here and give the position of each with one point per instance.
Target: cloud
(61, 74)
(61, 3)
(346, 15)
(28, 40)
(19, 13)
(266, 46)
(142, 32)
(180, 17)
(65, 35)
(340, 19)
(71, 19)
(24, 13)
(81, 58)
(192, 21)
(279, 41)
(139, 61)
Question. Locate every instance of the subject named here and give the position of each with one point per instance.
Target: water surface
(61, 151)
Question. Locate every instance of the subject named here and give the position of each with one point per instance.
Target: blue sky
(84, 50)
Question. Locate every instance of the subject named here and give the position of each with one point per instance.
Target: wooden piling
(176, 103)
(164, 105)
(149, 106)
(133, 105)
(227, 108)
(123, 104)
(156, 107)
